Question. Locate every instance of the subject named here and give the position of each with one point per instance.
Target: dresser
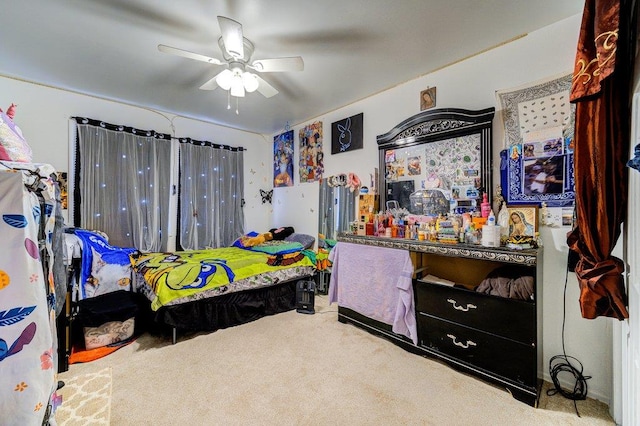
(496, 337)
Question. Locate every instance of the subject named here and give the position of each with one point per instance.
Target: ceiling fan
(237, 52)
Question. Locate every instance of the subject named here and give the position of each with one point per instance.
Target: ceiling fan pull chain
(228, 99)
(237, 101)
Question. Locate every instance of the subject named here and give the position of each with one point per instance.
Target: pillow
(306, 240)
(13, 146)
(281, 233)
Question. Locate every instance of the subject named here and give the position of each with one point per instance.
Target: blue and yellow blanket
(177, 275)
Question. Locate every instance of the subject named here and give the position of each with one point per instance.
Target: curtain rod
(149, 133)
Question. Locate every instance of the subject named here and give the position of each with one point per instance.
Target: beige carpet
(295, 369)
(86, 399)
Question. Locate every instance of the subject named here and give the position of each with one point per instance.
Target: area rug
(86, 399)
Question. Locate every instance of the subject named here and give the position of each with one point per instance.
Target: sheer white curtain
(123, 184)
(337, 207)
(211, 194)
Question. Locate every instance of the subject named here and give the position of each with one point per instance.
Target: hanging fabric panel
(211, 193)
(601, 91)
(125, 184)
(28, 343)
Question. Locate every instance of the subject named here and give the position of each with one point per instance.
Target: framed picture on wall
(428, 98)
(523, 224)
(537, 164)
(346, 134)
(532, 175)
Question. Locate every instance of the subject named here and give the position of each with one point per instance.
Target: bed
(203, 290)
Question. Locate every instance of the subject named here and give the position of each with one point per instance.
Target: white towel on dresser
(375, 282)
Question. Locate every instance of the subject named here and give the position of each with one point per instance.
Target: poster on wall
(311, 155)
(540, 170)
(346, 134)
(62, 183)
(283, 159)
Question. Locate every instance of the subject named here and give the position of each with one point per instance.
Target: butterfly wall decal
(266, 196)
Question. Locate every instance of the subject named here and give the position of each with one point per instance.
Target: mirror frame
(437, 125)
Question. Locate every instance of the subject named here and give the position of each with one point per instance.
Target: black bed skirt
(229, 309)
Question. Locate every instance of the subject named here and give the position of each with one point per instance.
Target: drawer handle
(460, 308)
(462, 345)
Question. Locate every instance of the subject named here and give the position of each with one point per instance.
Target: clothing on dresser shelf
(508, 282)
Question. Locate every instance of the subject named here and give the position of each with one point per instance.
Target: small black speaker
(305, 293)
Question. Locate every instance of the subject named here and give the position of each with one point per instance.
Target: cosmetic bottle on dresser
(485, 207)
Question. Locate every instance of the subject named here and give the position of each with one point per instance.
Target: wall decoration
(266, 196)
(428, 98)
(539, 171)
(346, 134)
(283, 159)
(311, 155)
(414, 165)
(537, 165)
(394, 165)
(533, 107)
(523, 224)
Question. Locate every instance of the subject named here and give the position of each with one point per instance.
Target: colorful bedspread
(177, 275)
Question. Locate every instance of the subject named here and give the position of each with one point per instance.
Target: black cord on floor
(563, 364)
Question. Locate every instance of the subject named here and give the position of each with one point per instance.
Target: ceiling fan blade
(232, 37)
(294, 63)
(265, 88)
(186, 54)
(213, 83)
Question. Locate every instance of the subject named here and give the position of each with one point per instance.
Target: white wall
(472, 84)
(43, 115)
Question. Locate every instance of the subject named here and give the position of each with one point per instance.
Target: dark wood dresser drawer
(510, 318)
(504, 357)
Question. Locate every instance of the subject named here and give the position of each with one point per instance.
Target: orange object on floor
(80, 355)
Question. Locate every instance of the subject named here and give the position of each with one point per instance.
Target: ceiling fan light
(250, 82)
(224, 79)
(237, 87)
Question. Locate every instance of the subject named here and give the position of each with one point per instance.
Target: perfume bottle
(485, 207)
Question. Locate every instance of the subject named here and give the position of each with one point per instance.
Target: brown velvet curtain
(601, 91)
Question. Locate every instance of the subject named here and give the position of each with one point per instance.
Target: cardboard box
(365, 202)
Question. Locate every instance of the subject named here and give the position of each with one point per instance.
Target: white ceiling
(351, 48)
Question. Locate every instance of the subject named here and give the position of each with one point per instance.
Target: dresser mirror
(337, 205)
(437, 161)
